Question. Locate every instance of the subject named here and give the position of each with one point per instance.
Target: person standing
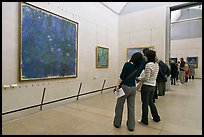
(174, 70)
(148, 88)
(163, 73)
(182, 71)
(187, 71)
(178, 68)
(129, 88)
(192, 71)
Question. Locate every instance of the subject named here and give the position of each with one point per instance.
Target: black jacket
(163, 73)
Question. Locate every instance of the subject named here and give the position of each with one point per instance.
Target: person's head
(181, 59)
(137, 59)
(144, 51)
(151, 54)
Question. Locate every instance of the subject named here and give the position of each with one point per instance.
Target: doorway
(178, 21)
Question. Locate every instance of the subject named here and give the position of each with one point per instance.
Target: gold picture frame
(102, 57)
(193, 61)
(131, 51)
(48, 48)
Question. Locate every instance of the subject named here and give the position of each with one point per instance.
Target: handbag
(139, 86)
(125, 80)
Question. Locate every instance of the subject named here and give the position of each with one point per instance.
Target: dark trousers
(161, 88)
(191, 76)
(186, 79)
(147, 95)
(155, 94)
(177, 73)
(173, 81)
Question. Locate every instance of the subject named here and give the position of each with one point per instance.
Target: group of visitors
(181, 71)
(146, 64)
(152, 74)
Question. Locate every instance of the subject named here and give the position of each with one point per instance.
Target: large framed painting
(193, 60)
(49, 44)
(131, 51)
(102, 57)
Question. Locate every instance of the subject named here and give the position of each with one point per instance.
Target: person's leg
(119, 111)
(160, 88)
(145, 101)
(182, 77)
(131, 109)
(189, 77)
(153, 108)
(163, 88)
(155, 94)
(174, 81)
(171, 81)
(192, 77)
(185, 79)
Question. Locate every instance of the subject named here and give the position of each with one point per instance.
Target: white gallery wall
(141, 29)
(188, 48)
(97, 25)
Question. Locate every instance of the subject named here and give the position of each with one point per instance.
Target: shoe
(155, 120)
(139, 121)
(131, 129)
(116, 126)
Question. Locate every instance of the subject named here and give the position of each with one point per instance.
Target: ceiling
(121, 8)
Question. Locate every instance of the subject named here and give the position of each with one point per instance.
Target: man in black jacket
(163, 73)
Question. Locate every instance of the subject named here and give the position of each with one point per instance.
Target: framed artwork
(131, 51)
(174, 60)
(193, 60)
(102, 57)
(49, 44)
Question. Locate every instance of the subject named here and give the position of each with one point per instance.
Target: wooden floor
(180, 110)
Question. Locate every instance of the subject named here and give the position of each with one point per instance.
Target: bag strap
(128, 76)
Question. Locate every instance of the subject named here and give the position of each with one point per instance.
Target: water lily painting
(102, 57)
(49, 44)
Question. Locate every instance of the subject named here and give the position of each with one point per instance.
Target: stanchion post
(103, 85)
(42, 99)
(79, 91)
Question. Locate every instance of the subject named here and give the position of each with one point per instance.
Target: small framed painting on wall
(131, 51)
(193, 60)
(102, 57)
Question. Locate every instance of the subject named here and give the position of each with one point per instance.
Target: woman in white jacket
(148, 88)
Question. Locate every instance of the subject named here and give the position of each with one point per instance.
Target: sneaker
(139, 121)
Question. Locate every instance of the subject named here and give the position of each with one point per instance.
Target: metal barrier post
(103, 85)
(42, 99)
(79, 90)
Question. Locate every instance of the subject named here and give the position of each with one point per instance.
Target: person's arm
(118, 85)
(146, 75)
(122, 76)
